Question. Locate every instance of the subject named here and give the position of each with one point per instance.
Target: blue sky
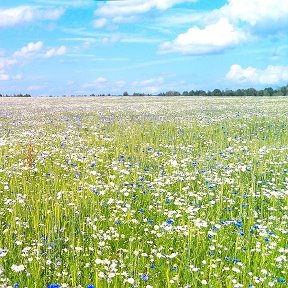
(53, 47)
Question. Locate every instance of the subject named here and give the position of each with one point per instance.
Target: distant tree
(229, 92)
(125, 93)
(268, 91)
(172, 93)
(260, 92)
(217, 92)
(251, 92)
(277, 92)
(201, 93)
(185, 93)
(239, 92)
(284, 90)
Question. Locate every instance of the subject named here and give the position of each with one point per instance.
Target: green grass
(124, 192)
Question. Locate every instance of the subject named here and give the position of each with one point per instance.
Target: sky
(80, 47)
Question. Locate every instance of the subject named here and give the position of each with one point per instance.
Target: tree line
(15, 95)
(282, 91)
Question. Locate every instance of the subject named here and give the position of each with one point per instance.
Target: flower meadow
(144, 192)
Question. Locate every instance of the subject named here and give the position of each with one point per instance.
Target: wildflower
(90, 286)
(130, 281)
(54, 285)
(145, 277)
(17, 268)
(169, 221)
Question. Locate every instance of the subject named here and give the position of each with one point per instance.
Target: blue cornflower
(281, 280)
(54, 285)
(239, 224)
(152, 266)
(16, 285)
(90, 286)
(145, 277)
(169, 221)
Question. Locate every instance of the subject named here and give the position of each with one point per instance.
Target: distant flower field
(144, 192)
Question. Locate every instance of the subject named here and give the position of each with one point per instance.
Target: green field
(144, 192)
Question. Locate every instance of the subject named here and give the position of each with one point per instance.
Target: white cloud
(127, 11)
(157, 80)
(123, 19)
(66, 3)
(22, 14)
(269, 75)
(151, 85)
(210, 39)
(236, 22)
(6, 62)
(100, 82)
(100, 23)
(4, 76)
(17, 77)
(113, 38)
(55, 52)
(255, 11)
(120, 83)
(139, 39)
(35, 88)
(29, 49)
(117, 8)
(152, 89)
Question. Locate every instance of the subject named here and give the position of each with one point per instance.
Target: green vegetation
(144, 192)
